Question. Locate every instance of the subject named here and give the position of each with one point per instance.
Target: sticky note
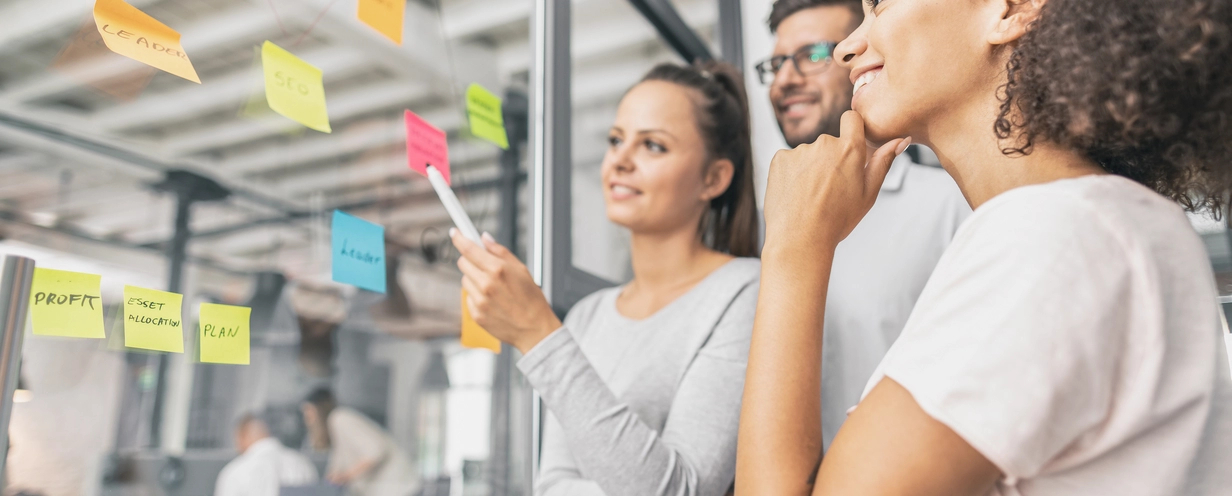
(358, 252)
(152, 320)
(64, 303)
(293, 88)
(426, 144)
(474, 336)
(385, 16)
(223, 333)
(134, 34)
(484, 111)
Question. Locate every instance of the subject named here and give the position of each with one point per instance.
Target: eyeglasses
(811, 59)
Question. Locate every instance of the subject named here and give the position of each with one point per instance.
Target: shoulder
(741, 270)
(583, 312)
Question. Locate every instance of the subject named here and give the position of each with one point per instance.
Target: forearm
(780, 441)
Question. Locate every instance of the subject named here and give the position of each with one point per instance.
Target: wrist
(539, 332)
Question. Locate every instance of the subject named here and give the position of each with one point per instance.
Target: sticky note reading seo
(64, 303)
(484, 112)
(134, 34)
(223, 332)
(152, 320)
(385, 16)
(474, 336)
(293, 88)
(358, 252)
(426, 144)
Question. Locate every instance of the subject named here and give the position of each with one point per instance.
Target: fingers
(473, 272)
(495, 248)
(879, 164)
(851, 128)
(473, 252)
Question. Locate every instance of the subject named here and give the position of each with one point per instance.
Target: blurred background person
(362, 456)
(264, 465)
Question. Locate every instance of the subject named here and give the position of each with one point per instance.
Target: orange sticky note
(385, 16)
(134, 34)
(474, 336)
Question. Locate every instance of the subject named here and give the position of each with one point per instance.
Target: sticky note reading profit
(293, 88)
(484, 112)
(223, 332)
(474, 336)
(358, 252)
(134, 34)
(426, 145)
(64, 303)
(152, 320)
(385, 16)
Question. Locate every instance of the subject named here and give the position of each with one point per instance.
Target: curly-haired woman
(1068, 342)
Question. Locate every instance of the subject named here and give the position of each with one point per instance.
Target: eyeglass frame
(767, 67)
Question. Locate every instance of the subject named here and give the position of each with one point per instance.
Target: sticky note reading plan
(426, 144)
(152, 320)
(358, 252)
(293, 88)
(484, 110)
(385, 16)
(64, 303)
(134, 34)
(474, 336)
(223, 333)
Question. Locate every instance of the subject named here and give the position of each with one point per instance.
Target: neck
(665, 260)
(963, 139)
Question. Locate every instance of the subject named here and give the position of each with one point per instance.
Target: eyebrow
(645, 131)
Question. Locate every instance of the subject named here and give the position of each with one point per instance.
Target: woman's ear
(1016, 18)
(717, 178)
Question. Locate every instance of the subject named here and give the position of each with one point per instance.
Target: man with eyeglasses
(882, 266)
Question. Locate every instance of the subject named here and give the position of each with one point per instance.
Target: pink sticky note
(425, 145)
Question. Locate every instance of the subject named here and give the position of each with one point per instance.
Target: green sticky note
(223, 332)
(152, 320)
(294, 88)
(64, 303)
(484, 112)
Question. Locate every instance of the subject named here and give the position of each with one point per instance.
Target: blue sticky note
(358, 252)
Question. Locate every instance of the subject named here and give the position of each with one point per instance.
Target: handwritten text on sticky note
(152, 320)
(474, 336)
(66, 303)
(484, 110)
(223, 332)
(426, 145)
(385, 16)
(294, 88)
(358, 252)
(134, 34)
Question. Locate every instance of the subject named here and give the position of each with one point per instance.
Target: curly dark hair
(1141, 87)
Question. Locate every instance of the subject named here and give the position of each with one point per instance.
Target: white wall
(758, 43)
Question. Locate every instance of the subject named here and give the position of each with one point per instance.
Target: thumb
(879, 164)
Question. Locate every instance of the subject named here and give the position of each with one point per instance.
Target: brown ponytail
(730, 224)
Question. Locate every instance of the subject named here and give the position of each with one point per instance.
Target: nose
(788, 76)
(854, 45)
(619, 158)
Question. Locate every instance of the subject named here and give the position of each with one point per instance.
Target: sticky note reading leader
(223, 333)
(134, 34)
(152, 320)
(385, 16)
(67, 304)
(293, 88)
(484, 110)
(426, 144)
(358, 252)
(474, 336)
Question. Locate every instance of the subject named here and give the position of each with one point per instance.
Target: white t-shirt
(263, 469)
(1070, 334)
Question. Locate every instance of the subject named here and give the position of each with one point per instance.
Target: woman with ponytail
(643, 382)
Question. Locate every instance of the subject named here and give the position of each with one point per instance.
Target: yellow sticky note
(474, 336)
(293, 88)
(64, 303)
(484, 112)
(223, 332)
(134, 34)
(385, 16)
(152, 320)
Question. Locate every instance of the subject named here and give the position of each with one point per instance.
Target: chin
(882, 126)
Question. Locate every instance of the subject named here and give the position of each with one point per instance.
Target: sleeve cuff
(558, 340)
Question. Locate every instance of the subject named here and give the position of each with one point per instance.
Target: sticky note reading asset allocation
(426, 144)
(484, 111)
(358, 252)
(134, 34)
(223, 332)
(293, 88)
(385, 16)
(64, 303)
(152, 320)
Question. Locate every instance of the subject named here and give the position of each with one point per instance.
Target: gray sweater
(651, 406)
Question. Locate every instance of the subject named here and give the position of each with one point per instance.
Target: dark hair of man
(783, 9)
(323, 400)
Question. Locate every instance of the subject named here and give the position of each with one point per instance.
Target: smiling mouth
(864, 79)
(622, 191)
